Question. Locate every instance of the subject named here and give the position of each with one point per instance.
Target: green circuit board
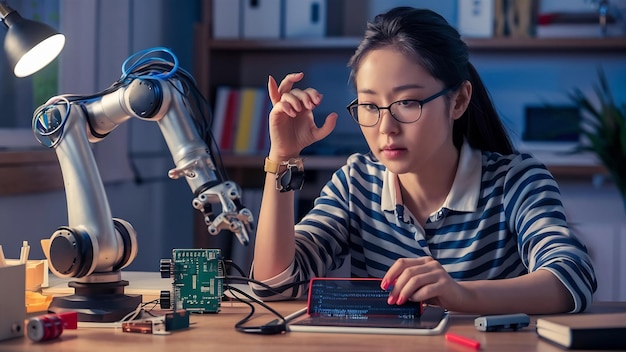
(198, 279)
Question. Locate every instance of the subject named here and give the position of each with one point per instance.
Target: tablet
(348, 305)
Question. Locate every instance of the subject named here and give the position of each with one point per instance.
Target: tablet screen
(360, 306)
(356, 299)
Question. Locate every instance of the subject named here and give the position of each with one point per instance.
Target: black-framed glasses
(403, 111)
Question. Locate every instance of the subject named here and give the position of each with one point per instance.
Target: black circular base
(97, 302)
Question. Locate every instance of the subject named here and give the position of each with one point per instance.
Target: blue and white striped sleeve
(545, 242)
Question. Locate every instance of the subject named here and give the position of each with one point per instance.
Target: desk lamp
(30, 45)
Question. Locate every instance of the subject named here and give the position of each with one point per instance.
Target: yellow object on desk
(36, 302)
(36, 278)
(36, 273)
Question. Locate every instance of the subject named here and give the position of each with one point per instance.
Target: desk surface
(215, 332)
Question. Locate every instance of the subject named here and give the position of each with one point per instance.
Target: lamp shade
(29, 45)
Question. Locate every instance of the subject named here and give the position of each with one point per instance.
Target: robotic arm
(94, 246)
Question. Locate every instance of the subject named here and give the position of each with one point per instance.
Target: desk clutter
(197, 285)
(195, 282)
(22, 278)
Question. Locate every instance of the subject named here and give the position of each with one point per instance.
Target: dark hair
(427, 37)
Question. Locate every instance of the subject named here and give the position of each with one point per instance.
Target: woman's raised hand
(291, 123)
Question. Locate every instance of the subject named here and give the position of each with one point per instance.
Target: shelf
(331, 163)
(29, 171)
(329, 43)
(616, 44)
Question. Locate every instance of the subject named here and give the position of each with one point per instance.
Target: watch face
(297, 180)
(292, 179)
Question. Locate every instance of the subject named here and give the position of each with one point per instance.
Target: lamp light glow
(29, 45)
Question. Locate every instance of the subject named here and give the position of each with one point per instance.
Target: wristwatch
(289, 173)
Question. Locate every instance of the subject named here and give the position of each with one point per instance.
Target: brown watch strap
(271, 166)
(274, 167)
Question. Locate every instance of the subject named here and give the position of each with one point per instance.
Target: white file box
(261, 19)
(226, 16)
(305, 18)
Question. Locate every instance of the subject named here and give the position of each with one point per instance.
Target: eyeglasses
(403, 111)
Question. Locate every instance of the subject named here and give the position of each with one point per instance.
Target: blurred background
(530, 54)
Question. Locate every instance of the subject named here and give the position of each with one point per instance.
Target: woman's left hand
(423, 279)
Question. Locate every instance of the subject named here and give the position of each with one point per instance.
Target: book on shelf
(251, 107)
(240, 119)
(585, 330)
(225, 117)
(219, 114)
(585, 24)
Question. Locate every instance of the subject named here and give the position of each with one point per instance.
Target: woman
(442, 208)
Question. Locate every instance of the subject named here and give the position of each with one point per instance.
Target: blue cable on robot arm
(147, 56)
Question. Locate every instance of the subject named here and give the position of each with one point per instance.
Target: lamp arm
(5, 9)
(93, 242)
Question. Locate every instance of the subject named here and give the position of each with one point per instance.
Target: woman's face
(385, 76)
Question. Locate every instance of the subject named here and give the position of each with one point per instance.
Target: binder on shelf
(305, 18)
(261, 18)
(240, 119)
(219, 113)
(226, 15)
(230, 121)
(260, 116)
(251, 114)
(263, 140)
(476, 18)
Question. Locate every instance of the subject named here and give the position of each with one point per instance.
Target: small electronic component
(154, 326)
(159, 325)
(197, 280)
(50, 326)
(502, 322)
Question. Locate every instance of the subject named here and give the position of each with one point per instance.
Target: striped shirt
(502, 218)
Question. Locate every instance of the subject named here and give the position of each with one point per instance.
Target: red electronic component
(50, 326)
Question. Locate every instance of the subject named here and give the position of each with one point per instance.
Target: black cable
(230, 263)
(148, 311)
(274, 327)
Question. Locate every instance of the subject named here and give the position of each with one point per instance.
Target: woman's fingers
(327, 127)
(287, 83)
(411, 278)
(399, 267)
(272, 89)
(277, 91)
(297, 101)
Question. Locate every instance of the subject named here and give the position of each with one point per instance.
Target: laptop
(353, 305)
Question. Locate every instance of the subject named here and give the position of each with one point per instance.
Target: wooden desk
(215, 332)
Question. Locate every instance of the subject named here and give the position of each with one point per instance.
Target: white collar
(463, 195)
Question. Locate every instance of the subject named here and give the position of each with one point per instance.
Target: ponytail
(480, 125)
